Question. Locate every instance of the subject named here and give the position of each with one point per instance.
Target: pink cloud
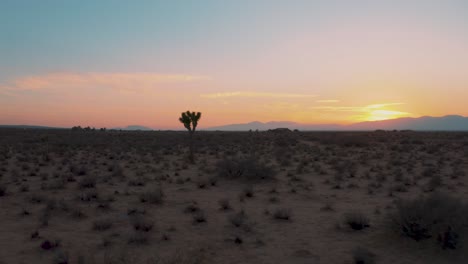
(120, 81)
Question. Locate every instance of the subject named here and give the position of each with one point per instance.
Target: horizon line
(229, 124)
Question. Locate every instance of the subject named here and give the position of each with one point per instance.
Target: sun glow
(378, 115)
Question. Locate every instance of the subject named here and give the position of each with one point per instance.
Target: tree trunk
(191, 157)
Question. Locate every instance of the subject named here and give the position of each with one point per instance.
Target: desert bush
(48, 244)
(136, 182)
(434, 183)
(437, 216)
(87, 182)
(282, 214)
(136, 211)
(398, 188)
(248, 192)
(239, 219)
(61, 257)
(78, 170)
(88, 196)
(116, 170)
(57, 184)
(192, 208)
(139, 238)
(77, 212)
(141, 223)
(154, 196)
(328, 206)
(2, 190)
(356, 220)
(363, 256)
(44, 216)
(224, 204)
(36, 198)
(243, 168)
(202, 183)
(102, 224)
(199, 217)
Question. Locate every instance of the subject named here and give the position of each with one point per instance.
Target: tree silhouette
(190, 121)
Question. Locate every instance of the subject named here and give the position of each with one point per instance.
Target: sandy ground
(85, 190)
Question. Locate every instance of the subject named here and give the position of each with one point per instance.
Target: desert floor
(249, 197)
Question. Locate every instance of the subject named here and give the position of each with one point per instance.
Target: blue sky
(39, 36)
(330, 49)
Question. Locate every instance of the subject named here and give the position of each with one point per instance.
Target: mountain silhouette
(425, 123)
(29, 127)
(133, 128)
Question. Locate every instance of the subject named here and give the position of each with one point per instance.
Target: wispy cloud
(255, 94)
(98, 80)
(371, 112)
(366, 108)
(327, 101)
(377, 106)
(339, 108)
(6, 91)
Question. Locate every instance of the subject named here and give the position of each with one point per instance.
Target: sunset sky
(113, 63)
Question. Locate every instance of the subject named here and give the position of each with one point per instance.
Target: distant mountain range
(129, 128)
(133, 128)
(29, 127)
(425, 123)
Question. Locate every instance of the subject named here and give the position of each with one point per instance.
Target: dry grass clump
(141, 223)
(138, 238)
(78, 170)
(224, 204)
(154, 195)
(88, 195)
(77, 212)
(49, 245)
(239, 219)
(61, 257)
(244, 168)
(363, 256)
(87, 182)
(282, 214)
(356, 220)
(102, 224)
(3, 189)
(192, 207)
(437, 216)
(199, 217)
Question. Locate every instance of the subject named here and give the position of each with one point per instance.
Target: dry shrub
(245, 169)
(437, 216)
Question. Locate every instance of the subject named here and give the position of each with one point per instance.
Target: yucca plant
(190, 121)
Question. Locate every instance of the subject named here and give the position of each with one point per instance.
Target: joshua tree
(190, 121)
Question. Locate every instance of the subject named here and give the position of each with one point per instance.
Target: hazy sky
(115, 63)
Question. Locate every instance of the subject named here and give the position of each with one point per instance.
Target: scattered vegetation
(102, 224)
(244, 168)
(3, 189)
(356, 220)
(141, 223)
(363, 256)
(103, 185)
(282, 214)
(153, 196)
(438, 216)
(87, 182)
(224, 204)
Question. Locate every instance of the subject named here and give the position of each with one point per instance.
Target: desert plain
(278, 196)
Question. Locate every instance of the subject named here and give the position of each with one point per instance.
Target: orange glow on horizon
(379, 115)
(156, 100)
